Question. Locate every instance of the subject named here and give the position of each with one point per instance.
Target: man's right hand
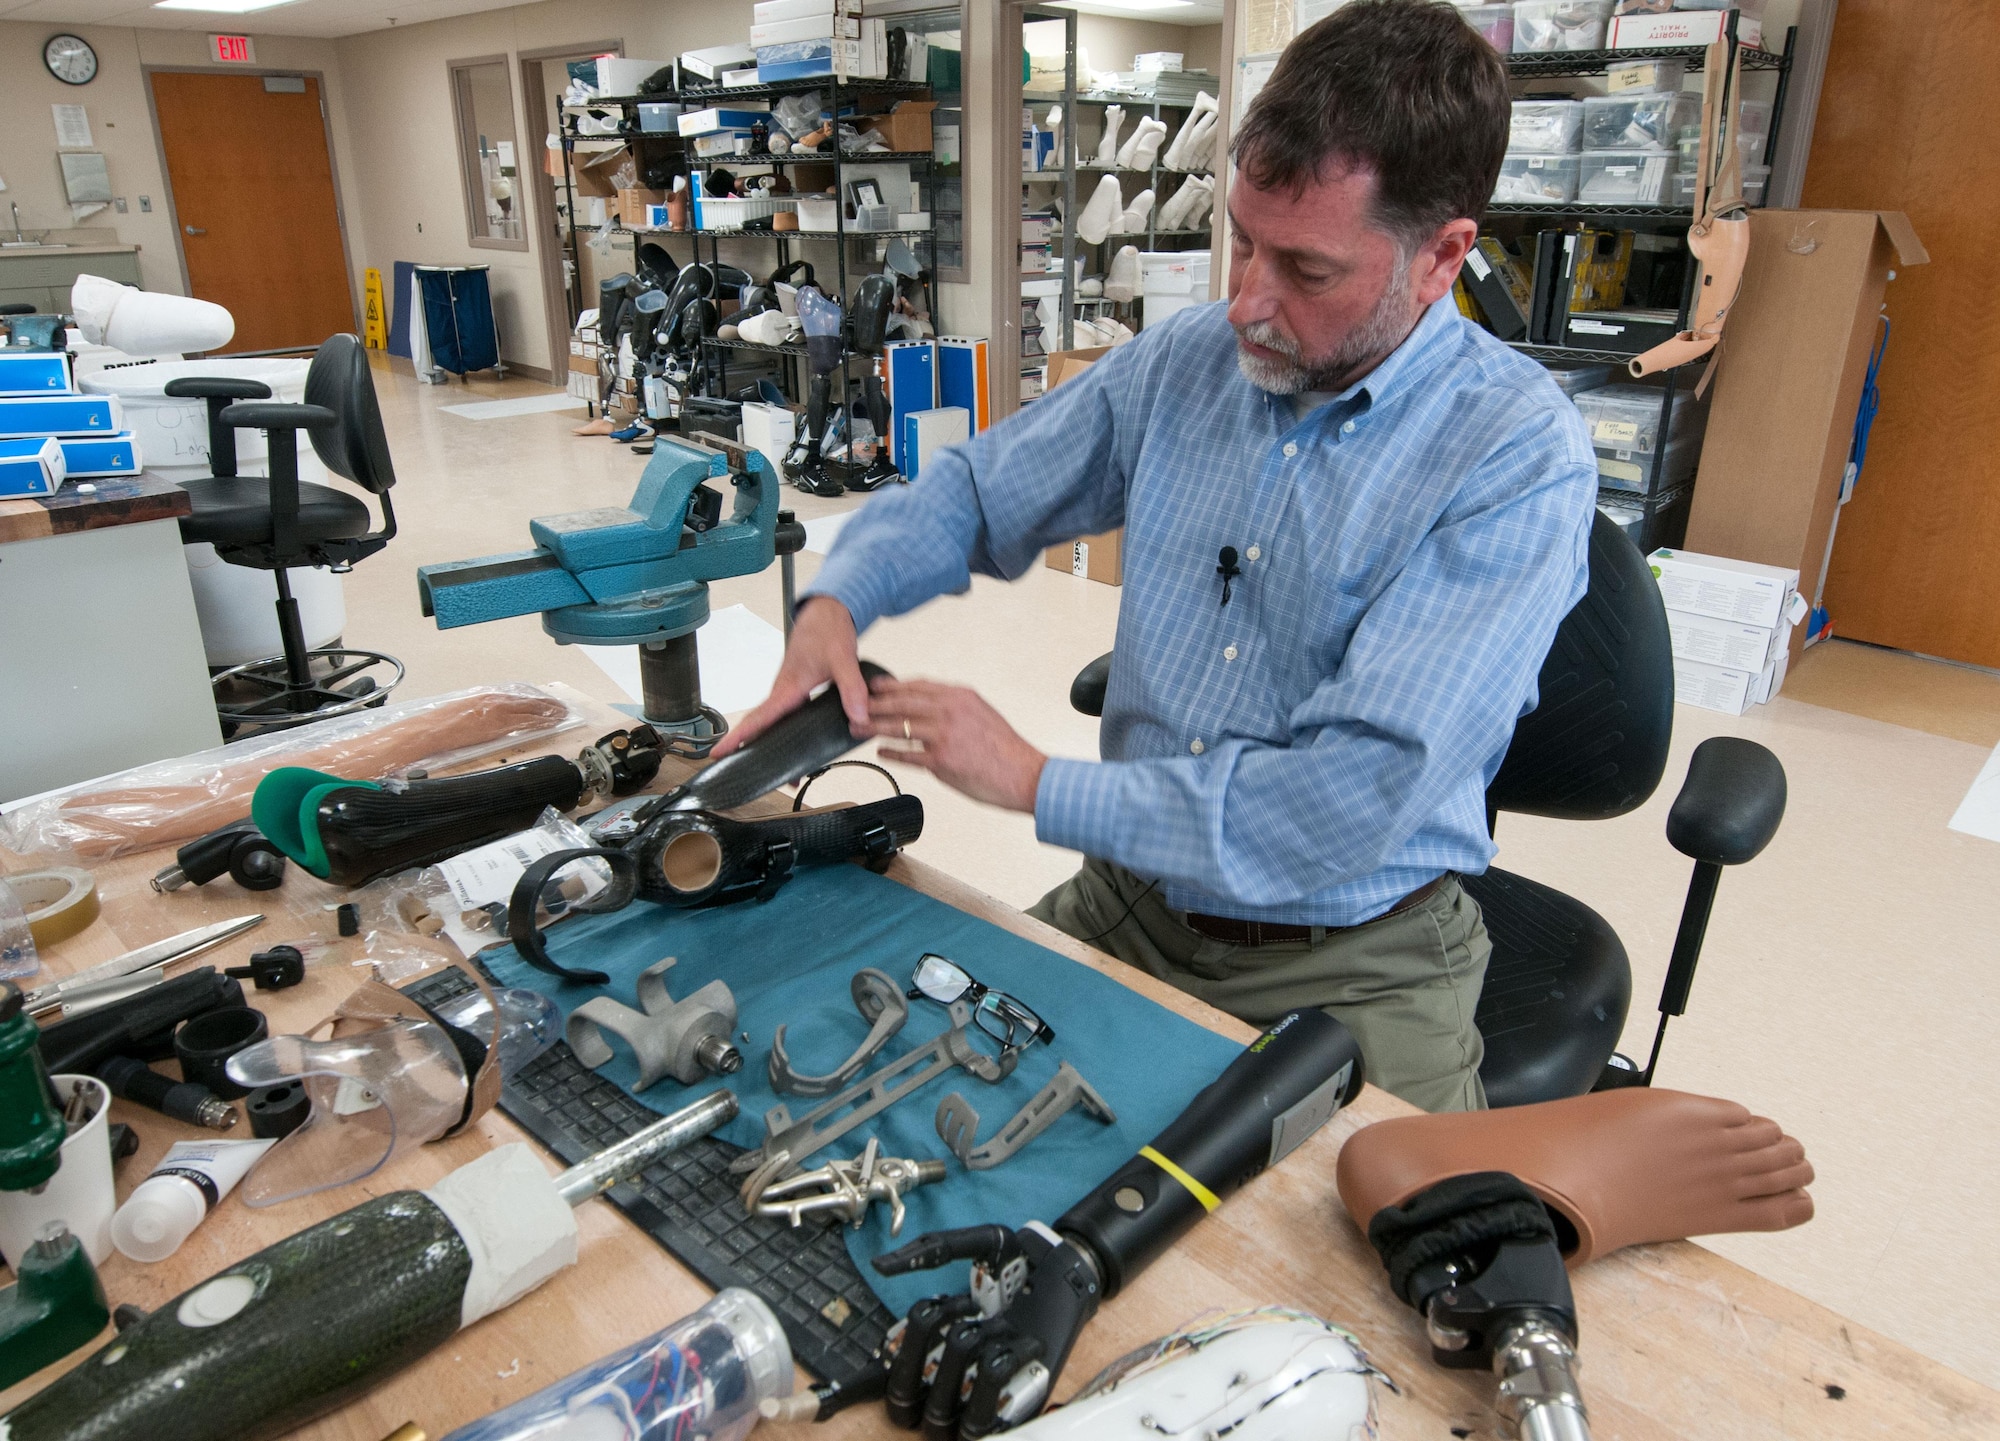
(822, 648)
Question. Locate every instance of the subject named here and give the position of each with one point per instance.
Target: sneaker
(815, 480)
(879, 473)
(637, 430)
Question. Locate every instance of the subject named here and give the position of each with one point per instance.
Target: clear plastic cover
(373, 1094)
(702, 1376)
(1638, 122)
(1625, 177)
(173, 801)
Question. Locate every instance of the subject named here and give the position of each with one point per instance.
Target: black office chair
(275, 522)
(1559, 983)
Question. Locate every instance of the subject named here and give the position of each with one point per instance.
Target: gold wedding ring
(906, 729)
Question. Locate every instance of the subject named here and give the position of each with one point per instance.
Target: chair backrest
(355, 445)
(1596, 745)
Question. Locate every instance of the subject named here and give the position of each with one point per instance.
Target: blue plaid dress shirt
(1320, 746)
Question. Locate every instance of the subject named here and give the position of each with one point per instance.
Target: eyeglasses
(998, 1014)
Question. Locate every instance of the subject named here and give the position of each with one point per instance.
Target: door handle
(192, 231)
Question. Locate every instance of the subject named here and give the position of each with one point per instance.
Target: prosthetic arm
(967, 1366)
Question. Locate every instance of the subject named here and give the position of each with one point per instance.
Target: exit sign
(232, 49)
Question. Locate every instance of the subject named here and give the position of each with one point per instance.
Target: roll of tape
(59, 902)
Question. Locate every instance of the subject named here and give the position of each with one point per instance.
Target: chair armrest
(277, 415)
(1086, 692)
(216, 387)
(1732, 802)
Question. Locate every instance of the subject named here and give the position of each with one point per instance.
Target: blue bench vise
(637, 574)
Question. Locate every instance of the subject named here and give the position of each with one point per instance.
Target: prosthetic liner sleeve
(796, 745)
(868, 316)
(365, 831)
(1283, 1088)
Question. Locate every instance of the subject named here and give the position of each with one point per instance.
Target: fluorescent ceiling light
(1132, 4)
(220, 7)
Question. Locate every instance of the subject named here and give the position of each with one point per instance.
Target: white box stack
(1731, 622)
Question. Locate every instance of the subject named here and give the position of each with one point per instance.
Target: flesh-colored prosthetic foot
(1623, 1168)
(603, 425)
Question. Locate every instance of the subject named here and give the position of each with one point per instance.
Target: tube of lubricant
(187, 1184)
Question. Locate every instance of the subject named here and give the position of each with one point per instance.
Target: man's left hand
(954, 734)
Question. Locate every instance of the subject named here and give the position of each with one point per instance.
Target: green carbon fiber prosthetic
(336, 1308)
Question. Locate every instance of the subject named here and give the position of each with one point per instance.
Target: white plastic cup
(80, 1194)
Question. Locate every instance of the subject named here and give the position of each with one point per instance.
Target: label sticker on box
(1615, 432)
(1638, 77)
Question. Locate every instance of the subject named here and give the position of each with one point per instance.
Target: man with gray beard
(1352, 522)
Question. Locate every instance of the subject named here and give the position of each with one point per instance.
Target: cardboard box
(30, 466)
(1781, 421)
(1713, 585)
(88, 456)
(632, 206)
(593, 171)
(1092, 557)
(1713, 687)
(1721, 642)
(582, 364)
(925, 432)
(1681, 27)
(39, 415)
(909, 379)
(907, 127)
(963, 378)
(618, 76)
(34, 372)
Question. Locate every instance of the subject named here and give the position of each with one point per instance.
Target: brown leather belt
(1269, 933)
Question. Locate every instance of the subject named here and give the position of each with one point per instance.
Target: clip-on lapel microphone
(1227, 570)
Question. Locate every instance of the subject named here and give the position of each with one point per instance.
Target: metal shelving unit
(1663, 508)
(842, 94)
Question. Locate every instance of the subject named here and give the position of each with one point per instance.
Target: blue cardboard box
(962, 378)
(86, 456)
(25, 415)
(909, 373)
(33, 466)
(34, 372)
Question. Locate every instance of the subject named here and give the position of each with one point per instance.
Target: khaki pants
(1406, 984)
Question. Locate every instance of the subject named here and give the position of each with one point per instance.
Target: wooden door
(253, 201)
(1905, 124)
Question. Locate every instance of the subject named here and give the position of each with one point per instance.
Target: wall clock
(70, 59)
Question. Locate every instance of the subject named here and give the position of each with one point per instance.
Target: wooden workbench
(1676, 1342)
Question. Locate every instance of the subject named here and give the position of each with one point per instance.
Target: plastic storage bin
(1624, 177)
(1545, 127)
(1495, 22)
(1537, 180)
(1542, 26)
(730, 212)
(1629, 471)
(1753, 117)
(1753, 8)
(1626, 418)
(1637, 122)
(1645, 77)
(818, 212)
(1573, 378)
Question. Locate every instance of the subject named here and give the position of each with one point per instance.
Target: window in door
(483, 101)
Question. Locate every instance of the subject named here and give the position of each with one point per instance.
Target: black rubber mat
(688, 1203)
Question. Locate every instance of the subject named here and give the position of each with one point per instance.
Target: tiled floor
(1849, 983)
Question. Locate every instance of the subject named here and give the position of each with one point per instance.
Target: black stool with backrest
(1559, 983)
(277, 521)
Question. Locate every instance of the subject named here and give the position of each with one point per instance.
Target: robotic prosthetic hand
(967, 1366)
(826, 335)
(867, 327)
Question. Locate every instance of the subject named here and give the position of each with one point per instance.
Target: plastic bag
(172, 801)
(798, 115)
(465, 898)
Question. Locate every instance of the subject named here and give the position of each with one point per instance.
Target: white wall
(121, 125)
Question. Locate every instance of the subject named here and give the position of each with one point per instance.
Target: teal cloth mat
(789, 962)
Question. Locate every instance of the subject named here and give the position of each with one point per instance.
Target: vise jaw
(624, 574)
